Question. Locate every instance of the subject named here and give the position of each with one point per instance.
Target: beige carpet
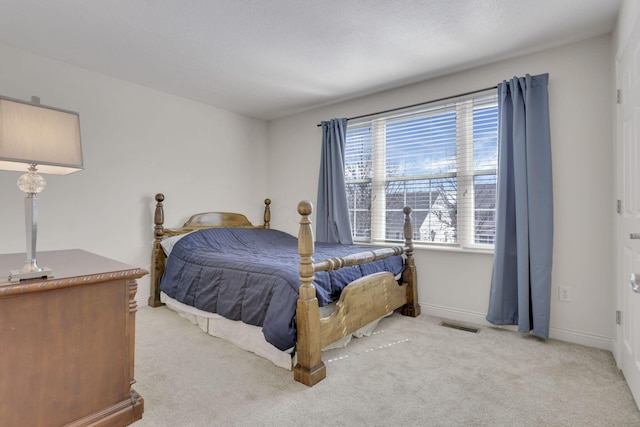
(411, 372)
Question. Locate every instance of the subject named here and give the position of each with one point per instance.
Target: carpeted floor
(411, 372)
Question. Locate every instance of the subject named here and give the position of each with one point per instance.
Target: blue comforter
(252, 275)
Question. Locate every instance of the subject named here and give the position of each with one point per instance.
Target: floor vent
(459, 327)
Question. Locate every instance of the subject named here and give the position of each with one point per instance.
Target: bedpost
(310, 369)
(267, 213)
(157, 255)
(409, 276)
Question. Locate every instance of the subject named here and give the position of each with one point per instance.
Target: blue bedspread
(252, 275)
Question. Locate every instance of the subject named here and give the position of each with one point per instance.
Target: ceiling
(272, 58)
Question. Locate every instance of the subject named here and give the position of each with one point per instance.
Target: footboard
(360, 303)
(363, 301)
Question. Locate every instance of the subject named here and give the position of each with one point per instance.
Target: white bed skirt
(249, 337)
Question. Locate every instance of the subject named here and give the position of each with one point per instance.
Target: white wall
(136, 142)
(456, 284)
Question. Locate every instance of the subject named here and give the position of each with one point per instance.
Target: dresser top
(72, 267)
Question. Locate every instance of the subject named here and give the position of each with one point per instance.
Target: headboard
(195, 222)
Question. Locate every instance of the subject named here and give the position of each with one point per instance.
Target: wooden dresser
(67, 342)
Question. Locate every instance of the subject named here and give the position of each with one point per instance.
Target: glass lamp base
(32, 184)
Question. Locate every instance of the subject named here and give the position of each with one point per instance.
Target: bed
(281, 304)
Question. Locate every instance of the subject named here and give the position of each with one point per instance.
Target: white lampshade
(34, 134)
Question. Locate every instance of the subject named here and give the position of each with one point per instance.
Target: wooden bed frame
(361, 302)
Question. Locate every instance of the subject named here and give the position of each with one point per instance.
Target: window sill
(469, 250)
(440, 248)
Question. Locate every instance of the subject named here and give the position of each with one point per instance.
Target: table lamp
(37, 138)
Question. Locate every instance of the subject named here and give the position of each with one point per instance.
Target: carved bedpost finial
(305, 250)
(305, 208)
(408, 230)
(267, 213)
(158, 217)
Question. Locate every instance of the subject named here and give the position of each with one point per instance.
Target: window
(441, 161)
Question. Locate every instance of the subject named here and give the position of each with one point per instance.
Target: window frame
(465, 171)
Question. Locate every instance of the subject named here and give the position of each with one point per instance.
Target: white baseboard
(568, 335)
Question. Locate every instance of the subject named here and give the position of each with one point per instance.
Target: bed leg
(411, 308)
(157, 267)
(310, 368)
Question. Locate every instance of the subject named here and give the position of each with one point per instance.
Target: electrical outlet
(564, 293)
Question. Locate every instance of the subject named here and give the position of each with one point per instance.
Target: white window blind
(441, 160)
